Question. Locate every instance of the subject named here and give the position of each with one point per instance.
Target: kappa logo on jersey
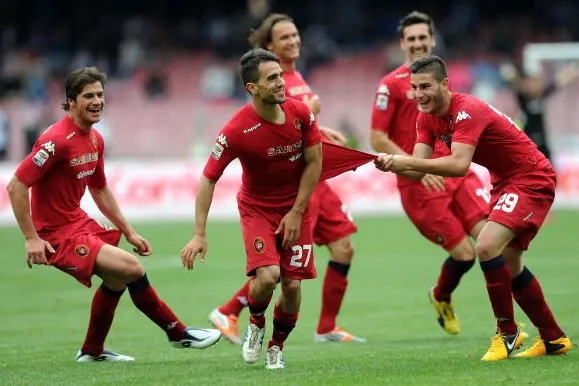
(49, 147)
(383, 89)
(252, 128)
(462, 116)
(403, 75)
(40, 157)
(219, 147)
(312, 118)
(222, 139)
(259, 245)
(82, 250)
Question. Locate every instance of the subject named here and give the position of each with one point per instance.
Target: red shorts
(263, 246)
(76, 252)
(446, 217)
(523, 204)
(330, 217)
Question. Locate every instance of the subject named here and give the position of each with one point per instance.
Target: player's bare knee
(291, 288)
(342, 251)
(267, 277)
(486, 250)
(114, 283)
(465, 251)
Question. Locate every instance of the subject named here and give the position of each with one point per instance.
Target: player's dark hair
(430, 63)
(261, 37)
(250, 61)
(413, 18)
(76, 81)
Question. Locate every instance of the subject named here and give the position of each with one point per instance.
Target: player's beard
(272, 100)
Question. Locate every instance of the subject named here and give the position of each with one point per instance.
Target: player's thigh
(77, 256)
(114, 264)
(431, 214)
(297, 261)
(334, 221)
(522, 207)
(261, 243)
(492, 240)
(471, 202)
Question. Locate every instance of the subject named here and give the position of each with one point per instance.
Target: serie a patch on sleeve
(40, 157)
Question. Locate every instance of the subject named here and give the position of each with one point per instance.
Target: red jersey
(63, 162)
(395, 111)
(270, 154)
(501, 146)
(296, 87)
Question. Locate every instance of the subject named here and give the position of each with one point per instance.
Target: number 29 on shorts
(507, 202)
(301, 255)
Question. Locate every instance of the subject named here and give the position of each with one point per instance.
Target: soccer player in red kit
(331, 220)
(66, 159)
(523, 190)
(445, 211)
(278, 144)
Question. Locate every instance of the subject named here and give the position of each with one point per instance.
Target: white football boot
(105, 356)
(198, 338)
(252, 343)
(274, 358)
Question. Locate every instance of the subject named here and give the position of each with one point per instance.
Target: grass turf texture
(45, 314)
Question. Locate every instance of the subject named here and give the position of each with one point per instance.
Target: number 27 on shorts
(301, 255)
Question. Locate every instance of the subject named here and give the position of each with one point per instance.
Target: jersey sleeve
(98, 180)
(424, 132)
(222, 154)
(310, 131)
(384, 107)
(469, 123)
(45, 155)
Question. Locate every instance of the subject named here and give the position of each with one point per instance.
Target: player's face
(271, 86)
(285, 41)
(89, 103)
(417, 41)
(428, 92)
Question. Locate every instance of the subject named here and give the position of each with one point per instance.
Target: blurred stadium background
(173, 83)
(173, 74)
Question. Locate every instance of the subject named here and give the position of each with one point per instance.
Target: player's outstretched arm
(455, 165)
(107, 204)
(334, 136)
(198, 245)
(381, 143)
(20, 201)
(291, 222)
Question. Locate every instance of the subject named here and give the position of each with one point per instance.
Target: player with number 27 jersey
(523, 179)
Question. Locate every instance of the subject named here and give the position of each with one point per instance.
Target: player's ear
(445, 83)
(251, 88)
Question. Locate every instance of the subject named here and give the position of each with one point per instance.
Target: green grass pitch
(44, 314)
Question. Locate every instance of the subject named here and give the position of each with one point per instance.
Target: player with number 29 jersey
(523, 179)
